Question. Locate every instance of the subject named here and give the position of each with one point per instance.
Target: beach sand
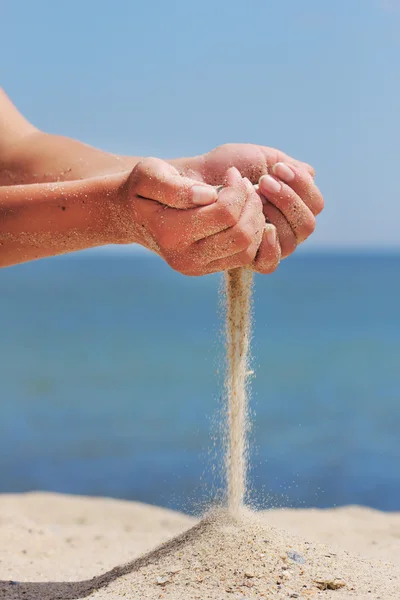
(51, 546)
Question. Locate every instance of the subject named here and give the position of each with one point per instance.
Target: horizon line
(138, 251)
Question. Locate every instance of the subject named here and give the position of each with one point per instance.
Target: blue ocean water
(109, 382)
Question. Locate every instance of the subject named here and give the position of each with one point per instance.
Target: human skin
(59, 195)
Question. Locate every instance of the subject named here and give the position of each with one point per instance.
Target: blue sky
(318, 79)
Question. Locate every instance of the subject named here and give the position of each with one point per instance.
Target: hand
(290, 198)
(196, 230)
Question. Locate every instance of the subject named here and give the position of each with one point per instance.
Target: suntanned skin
(59, 195)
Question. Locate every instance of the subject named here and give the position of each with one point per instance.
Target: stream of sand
(238, 332)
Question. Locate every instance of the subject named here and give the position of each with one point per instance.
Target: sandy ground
(51, 547)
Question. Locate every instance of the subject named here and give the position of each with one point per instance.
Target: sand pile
(247, 559)
(52, 545)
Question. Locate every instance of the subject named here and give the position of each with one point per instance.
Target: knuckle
(248, 255)
(259, 229)
(178, 263)
(268, 265)
(148, 163)
(303, 225)
(311, 194)
(309, 225)
(319, 203)
(184, 265)
(267, 268)
(142, 172)
(145, 166)
(242, 237)
(229, 215)
(288, 245)
(273, 267)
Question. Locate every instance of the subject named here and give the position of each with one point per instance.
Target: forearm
(41, 220)
(40, 157)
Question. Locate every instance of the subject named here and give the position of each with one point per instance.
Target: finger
(302, 183)
(241, 259)
(154, 179)
(269, 252)
(299, 216)
(245, 235)
(176, 229)
(252, 161)
(286, 236)
(216, 266)
(261, 159)
(232, 176)
(224, 213)
(204, 222)
(274, 156)
(298, 164)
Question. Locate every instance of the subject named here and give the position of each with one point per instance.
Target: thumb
(157, 180)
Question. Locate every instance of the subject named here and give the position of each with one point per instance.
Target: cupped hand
(291, 200)
(193, 227)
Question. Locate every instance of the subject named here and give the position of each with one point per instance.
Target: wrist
(89, 208)
(121, 224)
(106, 207)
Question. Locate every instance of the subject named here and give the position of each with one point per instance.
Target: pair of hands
(175, 209)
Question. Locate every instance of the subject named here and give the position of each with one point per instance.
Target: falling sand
(238, 305)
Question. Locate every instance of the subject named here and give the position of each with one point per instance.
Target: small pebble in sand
(296, 557)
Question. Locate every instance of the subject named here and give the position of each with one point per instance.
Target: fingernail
(270, 234)
(269, 184)
(284, 172)
(203, 195)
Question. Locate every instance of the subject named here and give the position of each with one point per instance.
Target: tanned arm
(28, 155)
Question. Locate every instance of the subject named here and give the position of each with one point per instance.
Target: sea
(111, 381)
